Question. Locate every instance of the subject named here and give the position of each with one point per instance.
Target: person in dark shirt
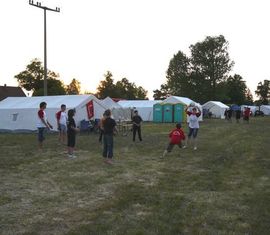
(71, 133)
(238, 115)
(109, 127)
(136, 121)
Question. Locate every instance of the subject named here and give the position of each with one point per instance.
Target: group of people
(66, 126)
(246, 114)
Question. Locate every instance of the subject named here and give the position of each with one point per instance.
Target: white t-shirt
(63, 118)
(41, 114)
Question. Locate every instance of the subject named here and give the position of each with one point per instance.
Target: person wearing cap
(176, 136)
(136, 121)
(109, 128)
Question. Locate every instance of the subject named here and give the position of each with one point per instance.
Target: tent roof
(108, 102)
(210, 104)
(138, 103)
(70, 101)
(178, 99)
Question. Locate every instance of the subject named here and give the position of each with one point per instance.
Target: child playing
(176, 137)
(71, 133)
(193, 124)
(61, 118)
(42, 123)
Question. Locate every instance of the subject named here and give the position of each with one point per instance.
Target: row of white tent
(218, 109)
(20, 113)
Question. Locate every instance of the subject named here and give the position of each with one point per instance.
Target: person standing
(71, 133)
(237, 115)
(101, 127)
(61, 118)
(193, 124)
(136, 127)
(246, 114)
(42, 124)
(109, 128)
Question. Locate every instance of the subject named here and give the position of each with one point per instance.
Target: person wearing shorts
(193, 124)
(71, 133)
(42, 124)
(61, 118)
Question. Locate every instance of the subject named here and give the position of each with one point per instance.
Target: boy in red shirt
(176, 137)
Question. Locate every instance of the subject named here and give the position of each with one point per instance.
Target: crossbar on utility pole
(57, 9)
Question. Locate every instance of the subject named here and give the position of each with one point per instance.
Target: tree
(210, 58)
(33, 79)
(263, 91)
(74, 87)
(178, 79)
(106, 87)
(236, 90)
(121, 89)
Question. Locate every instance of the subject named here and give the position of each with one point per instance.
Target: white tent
(183, 100)
(144, 107)
(265, 109)
(20, 113)
(217, 108)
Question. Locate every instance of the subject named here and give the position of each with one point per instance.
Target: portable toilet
(158, 112)
(167, 113)
(178, 112)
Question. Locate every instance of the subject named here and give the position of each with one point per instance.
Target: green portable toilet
(158, 113)
(178, 113)
(167, 113)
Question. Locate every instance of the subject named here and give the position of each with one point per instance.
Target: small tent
(144, 107)
(20, 113)
(183, 100)
(265, 109)
(217, 108)
(118, 112)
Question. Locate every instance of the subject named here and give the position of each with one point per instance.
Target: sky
(135, 39)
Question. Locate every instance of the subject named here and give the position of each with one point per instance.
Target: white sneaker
(70, 155)
(195, 148)
(184, 147)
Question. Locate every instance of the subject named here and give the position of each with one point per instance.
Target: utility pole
(57, 9)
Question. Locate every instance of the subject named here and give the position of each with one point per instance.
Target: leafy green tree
(32, 78)
(74, 88)
(210, 58)
(263, 91)
(178, 79)
(236, 90)
(121, 89)
(106, 87)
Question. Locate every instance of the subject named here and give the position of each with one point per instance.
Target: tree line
(202, 76)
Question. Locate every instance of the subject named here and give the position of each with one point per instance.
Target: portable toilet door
(167, 113)
(158, 113)
(178, 113)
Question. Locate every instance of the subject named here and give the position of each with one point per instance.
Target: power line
(57, 9)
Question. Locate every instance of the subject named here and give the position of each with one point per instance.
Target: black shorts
(193, 132)
(71, 140)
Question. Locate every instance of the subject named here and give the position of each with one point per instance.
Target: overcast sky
(131, 38)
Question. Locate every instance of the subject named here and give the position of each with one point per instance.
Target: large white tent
(183, 100)
(20, 113)
(118, 112)
(144, 107)
(265, 109)
(217, 108)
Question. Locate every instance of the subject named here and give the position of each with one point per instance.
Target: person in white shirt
(61, 118)
(193, 124)
(42, 123)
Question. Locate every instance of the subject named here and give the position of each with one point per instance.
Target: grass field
(222, 188)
